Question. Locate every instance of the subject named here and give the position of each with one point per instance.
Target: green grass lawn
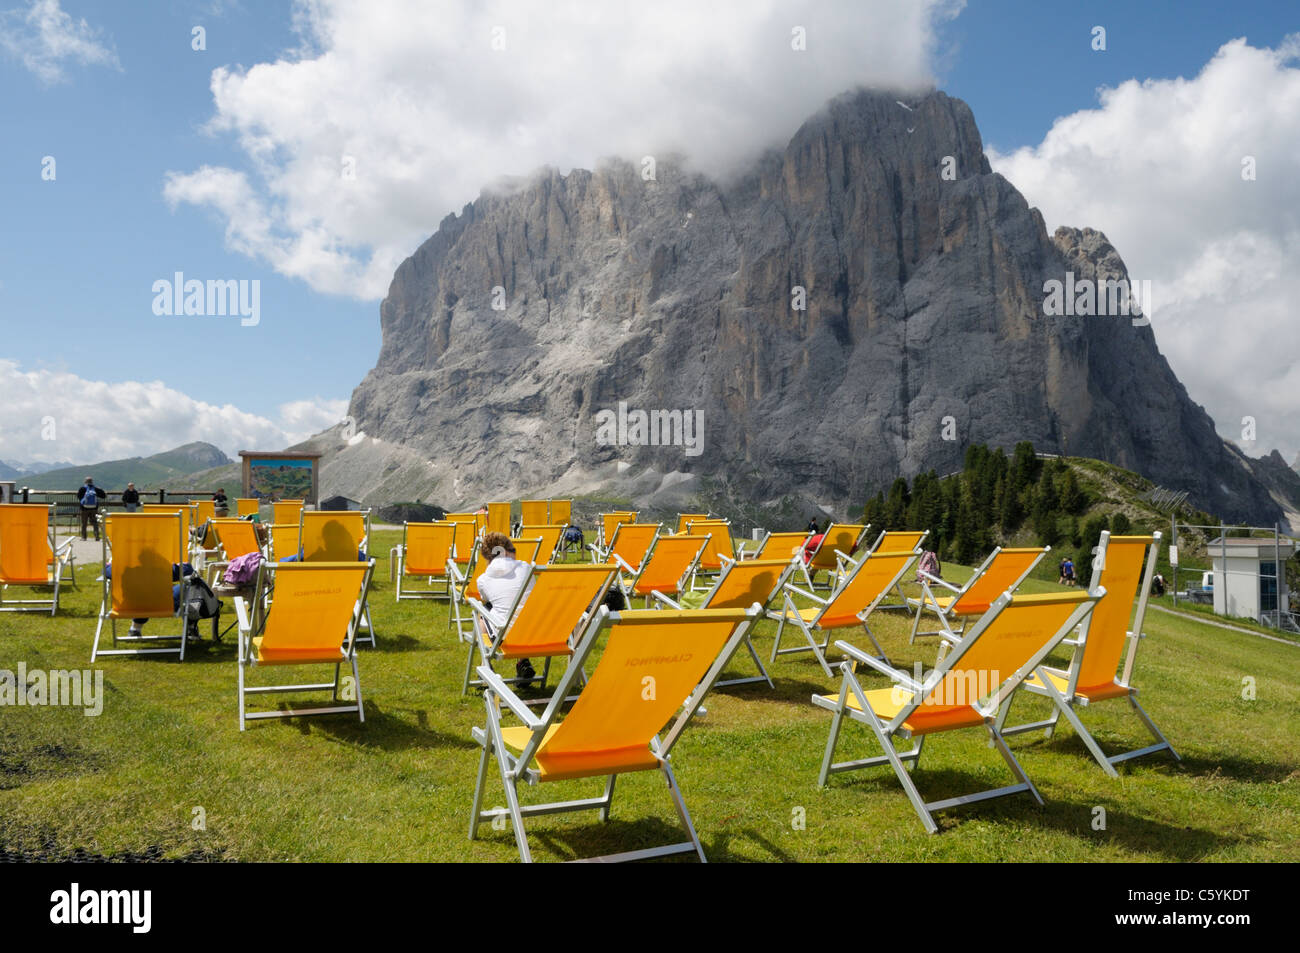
(399, 786)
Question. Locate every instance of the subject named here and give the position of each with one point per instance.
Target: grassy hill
(161, 469)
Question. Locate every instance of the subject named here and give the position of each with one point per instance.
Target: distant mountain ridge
(862, 304)
(145, 472)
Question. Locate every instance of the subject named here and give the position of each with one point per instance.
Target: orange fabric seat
(926, 719)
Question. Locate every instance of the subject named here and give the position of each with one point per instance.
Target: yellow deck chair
(534, 513)
(142, 548)
(337, 536)
(286, 511)
(964, 690)
(311, 618)
(247, 506)
(234, 538)
(202, 512)
(740, 585)
(478, 519)
(528, 550)
(463, 581)
(424, 551)
(894, 541)
(685, 519)
(841, 538)
(778, 546)
(717, 553)
(187, 525)
(498, 518)
(561, 512)
(1107, 640)
(549, 537)
(628, 546)
(609, 522)
(1003, 571)
(666, 570)
(651, 661)
(466, 535)
(548, 611)
(284, 540)
(848, 606)
(29, 556)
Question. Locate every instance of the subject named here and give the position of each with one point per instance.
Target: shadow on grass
(389, 643)
(384, 730)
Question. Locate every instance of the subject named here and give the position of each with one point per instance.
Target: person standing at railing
(89, 497)
(131, 498)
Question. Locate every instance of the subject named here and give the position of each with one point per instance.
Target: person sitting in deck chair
(499, 584)
(178, 570)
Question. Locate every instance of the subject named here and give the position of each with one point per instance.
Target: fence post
(162, 496)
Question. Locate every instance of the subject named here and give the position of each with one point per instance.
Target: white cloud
(98, 420)
(45, 39)
(415, 93)
(1158, 168)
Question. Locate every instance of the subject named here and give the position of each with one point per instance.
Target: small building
(1249, 576)
(339, 503)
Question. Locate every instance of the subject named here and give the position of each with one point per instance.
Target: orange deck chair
(286, 511)
(1003, 571)
(1107, 640)
(777, 546)
(627, 547)
(964, 690)
(552, 606)
(549, 537)
(651, 661)
(848, 606)
(424, 552)
(498, 518)
(29, 556)
(247, 506)
(717, 553)
(534, 512)
(667, 568)
(608, 523)
(337, 536)
(311, 618)
(841, 538)
(142, 548)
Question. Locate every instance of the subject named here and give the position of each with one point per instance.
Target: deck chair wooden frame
(550, 539)
(322, 601)
(614, 726)
(1106, 643)
(31, 557)
(866, 582)
(1001, 650)
(1002, 571)
(740, 584)
(424, 552)
(840, 539)
(547, 612)
(144, 546)
(314, 547)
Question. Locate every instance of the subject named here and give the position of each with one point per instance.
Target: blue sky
(79, 255)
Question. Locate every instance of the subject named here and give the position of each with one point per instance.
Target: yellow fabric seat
(1093, 693)
(582, 765)
(282, 656)
(886, 705)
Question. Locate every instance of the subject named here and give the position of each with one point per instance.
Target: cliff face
(923, 328)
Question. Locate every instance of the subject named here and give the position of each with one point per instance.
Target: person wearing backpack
(90, 496)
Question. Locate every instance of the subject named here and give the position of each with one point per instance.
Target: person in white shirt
(499, 584)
